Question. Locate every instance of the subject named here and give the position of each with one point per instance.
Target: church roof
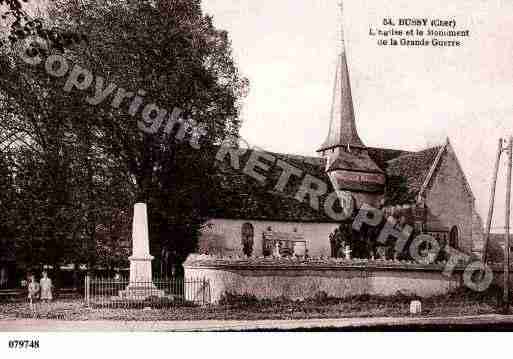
(359, 161)
(381, 156)
(342, 130)
(407, 174)
(242, 197)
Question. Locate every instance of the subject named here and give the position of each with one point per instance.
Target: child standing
(46, 287)
(33, 291)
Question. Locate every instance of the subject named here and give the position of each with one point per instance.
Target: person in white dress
(46, 287)
(33, 291)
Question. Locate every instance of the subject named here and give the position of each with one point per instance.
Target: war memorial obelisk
(141, 282)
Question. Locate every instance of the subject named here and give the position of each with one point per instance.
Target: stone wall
(301, 279)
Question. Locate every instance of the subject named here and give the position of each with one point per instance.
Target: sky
(404, 97)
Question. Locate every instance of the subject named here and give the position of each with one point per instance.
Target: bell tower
(354, 175)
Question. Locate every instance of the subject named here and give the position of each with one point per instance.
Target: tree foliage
(76, 167)
(21, 19)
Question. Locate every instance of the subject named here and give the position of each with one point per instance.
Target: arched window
(453, 238)
(247, 235)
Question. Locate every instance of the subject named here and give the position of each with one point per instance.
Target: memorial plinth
(141, 285)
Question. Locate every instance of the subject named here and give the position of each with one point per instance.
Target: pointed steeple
(352, 172)
(342, 130)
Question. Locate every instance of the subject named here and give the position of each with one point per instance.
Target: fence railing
(160, 293)
(5, 285)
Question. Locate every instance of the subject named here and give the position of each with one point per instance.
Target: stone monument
(141, 283)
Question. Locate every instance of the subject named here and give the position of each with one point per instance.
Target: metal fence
(4, 285)
(160, 293)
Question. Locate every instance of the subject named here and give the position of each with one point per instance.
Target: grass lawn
(249, 308)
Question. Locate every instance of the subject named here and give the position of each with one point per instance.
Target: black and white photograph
(248, 168)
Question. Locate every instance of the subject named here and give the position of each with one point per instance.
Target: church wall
(477, 233)
(223, 236)
(448, 201)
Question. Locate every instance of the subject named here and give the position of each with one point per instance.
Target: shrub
(237, 299)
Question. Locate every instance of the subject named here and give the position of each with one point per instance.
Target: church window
(247, 235)
(453, 238)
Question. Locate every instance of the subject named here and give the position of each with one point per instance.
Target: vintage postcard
(254, 166)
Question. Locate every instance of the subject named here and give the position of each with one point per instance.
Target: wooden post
(492, 201)
(87, 289)
(506, 237)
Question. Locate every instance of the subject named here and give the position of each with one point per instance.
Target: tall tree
(171, 51)
(85, 163)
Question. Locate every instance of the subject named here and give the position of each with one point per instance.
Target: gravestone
(415, 307)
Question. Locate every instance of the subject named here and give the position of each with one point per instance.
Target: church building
(427, 189)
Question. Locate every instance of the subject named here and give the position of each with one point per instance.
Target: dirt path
(216, 325)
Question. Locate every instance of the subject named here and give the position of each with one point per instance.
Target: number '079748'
(23, 344)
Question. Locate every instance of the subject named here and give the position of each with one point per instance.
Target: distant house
(427, 188)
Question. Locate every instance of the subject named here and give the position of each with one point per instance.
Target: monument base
(140, 270)
(141, 284)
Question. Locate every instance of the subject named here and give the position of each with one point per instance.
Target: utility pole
(492, 201)
(507, 245)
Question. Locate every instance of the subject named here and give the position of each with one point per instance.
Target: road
(482, 322)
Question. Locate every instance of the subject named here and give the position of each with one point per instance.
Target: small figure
(46, 287)
(277, 250)
(340, 252)
(382, 252)
(347, 252)
(33, 291)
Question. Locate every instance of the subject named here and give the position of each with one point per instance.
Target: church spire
(342, 130)
(356, 178)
